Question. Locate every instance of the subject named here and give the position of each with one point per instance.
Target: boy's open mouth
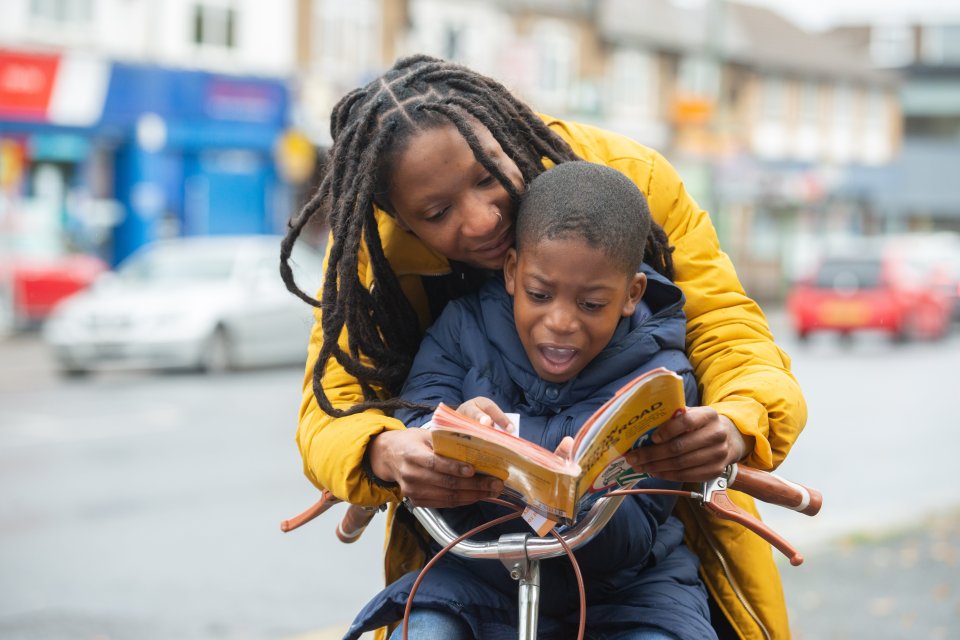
(557, 359)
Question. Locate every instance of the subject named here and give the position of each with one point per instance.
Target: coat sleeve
(742, 373)
(332, 448)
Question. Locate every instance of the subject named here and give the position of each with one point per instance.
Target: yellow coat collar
(405, 252)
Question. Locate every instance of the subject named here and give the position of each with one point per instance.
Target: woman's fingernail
(465, 470)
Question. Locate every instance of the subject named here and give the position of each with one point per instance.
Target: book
(556, 488)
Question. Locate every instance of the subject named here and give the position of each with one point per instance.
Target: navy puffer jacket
(637, 572)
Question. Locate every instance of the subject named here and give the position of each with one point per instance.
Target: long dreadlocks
(370, 128)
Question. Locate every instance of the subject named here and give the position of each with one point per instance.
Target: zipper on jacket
(726, 572)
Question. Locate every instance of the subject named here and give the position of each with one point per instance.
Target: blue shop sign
(194, 96)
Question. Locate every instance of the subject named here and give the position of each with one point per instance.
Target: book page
(545, 481)
(626, 421)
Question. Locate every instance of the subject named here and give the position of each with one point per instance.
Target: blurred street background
(142, 506)
(151, 361)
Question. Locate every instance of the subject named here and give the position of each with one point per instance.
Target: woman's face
(454, 205)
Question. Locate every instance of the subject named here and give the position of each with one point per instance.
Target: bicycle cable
(563, 543)
(423, 572)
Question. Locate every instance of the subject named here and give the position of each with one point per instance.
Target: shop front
(98, 158)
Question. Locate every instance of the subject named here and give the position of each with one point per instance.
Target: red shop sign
(26, 84)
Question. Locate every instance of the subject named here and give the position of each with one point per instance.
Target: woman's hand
(406, 456)
(693, 447)
(486, 412)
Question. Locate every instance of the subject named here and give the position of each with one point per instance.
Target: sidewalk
(896, 584)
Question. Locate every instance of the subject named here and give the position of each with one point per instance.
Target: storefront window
(891, 45)
(347, 51)
(62, 12)
(941, 44)
(556, 44)
(214, 26)
(634, 83)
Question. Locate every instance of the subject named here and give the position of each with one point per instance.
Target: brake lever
(327, 500)
(716, 501)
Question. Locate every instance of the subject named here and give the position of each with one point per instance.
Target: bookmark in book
(538, 522)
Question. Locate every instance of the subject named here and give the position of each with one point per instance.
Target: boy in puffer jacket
(571, 322)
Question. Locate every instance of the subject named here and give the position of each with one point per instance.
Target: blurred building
(773, 128)
(923, 192)
(782, 134)
(126, 120)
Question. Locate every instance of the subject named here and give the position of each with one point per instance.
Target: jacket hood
(658, 324)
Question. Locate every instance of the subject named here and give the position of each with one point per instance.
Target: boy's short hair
(590, 202)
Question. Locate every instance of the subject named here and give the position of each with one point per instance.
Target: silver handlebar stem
(537, 548)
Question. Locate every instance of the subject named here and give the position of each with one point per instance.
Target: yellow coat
(742, 373)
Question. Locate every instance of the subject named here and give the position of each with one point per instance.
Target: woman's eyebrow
(423, 205)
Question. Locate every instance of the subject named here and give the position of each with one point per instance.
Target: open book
(555, 487)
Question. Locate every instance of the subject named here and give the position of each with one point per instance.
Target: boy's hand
(486, 412)
(565, 448)
(693, 447)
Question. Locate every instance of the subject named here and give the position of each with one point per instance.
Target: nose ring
(497, 213)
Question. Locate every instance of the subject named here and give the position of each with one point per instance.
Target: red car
(939, 252)
(879, 289)
(35, 284)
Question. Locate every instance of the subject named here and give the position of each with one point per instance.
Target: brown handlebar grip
(355, 520)
(776, 490)
(722, 506)
(326, 501)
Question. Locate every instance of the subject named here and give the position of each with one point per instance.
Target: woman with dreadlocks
(426, 168)
(572, 320)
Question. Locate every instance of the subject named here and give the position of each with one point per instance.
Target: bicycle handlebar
(354, 523)
(759, 484)
(537, 548)
(772, 488)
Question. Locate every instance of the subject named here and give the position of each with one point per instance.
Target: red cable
(434, 559)
(583, 591)
(663, 492)
(573, 563)
(563, 543)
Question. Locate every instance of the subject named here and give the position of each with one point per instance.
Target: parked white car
(209, 303)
